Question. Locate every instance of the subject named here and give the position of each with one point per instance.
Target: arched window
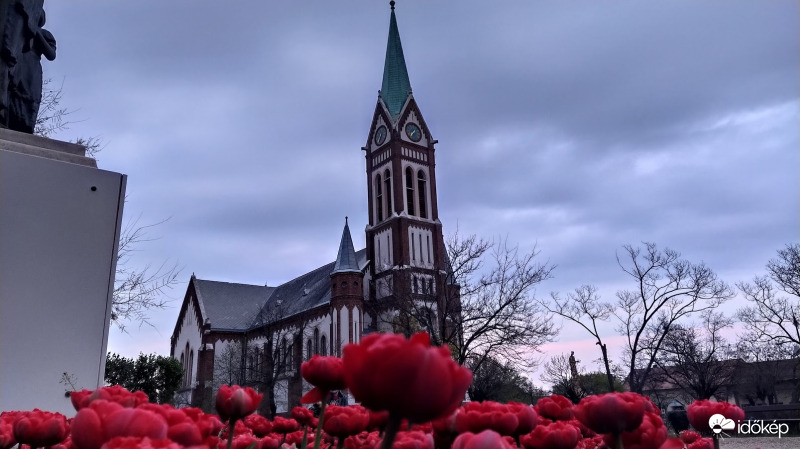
(191, 365)
(387, 182)
(379, 198)
(316, 341)
(324, 344)
(309, 349)
(183, 365)
(423, 209)
(186, 367)
(285, 354)
(409, 191)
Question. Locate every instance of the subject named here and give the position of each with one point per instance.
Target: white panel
(59, 227)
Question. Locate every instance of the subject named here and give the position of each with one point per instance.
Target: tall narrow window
(409, 191)
(191, 366)
(285, 354)
(316, 341)
(183, 365)
(413, 248)
(387, 182)
(324, 343)
(423, 209)
(309, 349)
(428, 240)
(421, 254)
(379, 198)
(380, 265)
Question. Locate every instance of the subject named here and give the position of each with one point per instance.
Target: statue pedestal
(60, 219)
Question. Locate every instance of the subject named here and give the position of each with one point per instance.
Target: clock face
(380, 135)
(413, 132)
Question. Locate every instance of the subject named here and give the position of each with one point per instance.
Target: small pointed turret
(346, 258)
(396, 85)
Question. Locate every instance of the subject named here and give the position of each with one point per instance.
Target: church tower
(347, 295)
(404, 234)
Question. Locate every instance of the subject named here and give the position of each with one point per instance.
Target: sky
(572, 127)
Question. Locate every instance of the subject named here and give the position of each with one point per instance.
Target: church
(258, 335)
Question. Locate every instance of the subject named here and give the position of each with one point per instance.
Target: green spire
(396, 86)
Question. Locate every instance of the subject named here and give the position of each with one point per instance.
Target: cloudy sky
(576, 127)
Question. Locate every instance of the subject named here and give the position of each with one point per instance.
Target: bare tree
(698, 361)
(558, 372)
(138, 290)
(773, 316)
(487, 308)
(278, 354)
(585, 308)
(667, 288)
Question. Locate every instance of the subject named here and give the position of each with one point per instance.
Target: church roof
(346, 257)
(396, 86)
(239, 307)
(304, 292)
(231, 306)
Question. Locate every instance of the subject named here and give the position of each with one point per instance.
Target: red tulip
(118, 394)
(258, 424)
(555, 407)
(700, 412)
(488, 439)
(245, 441)
(284, 425)
(342, 422)
(651, 433)
(689, 436)
(303, 416)
(556, 435)
(80, 399)
(672, 443)
(140, 443)
(408, 378)
(526, 416)
(611, 412)
(296, 438)
(39, 428)
(270, 442)
(702, 443)
(593, 442)
(7, 429)
(364, 440)
(479, 416)
(413, 439)
(236, 402)
(325, 374)
(135, 422)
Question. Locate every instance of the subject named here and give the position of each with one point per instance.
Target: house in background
(258, 335)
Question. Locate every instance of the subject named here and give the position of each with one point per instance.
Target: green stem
(231, 424)
(304, 444)
(318, 437)
(391, 431)
(618, 440)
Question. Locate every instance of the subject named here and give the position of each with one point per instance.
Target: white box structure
(60, 220)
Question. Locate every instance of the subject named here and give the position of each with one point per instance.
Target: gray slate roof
(240, 307)
(346, 260)
(231, 306)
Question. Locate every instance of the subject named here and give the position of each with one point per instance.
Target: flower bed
(410, 395)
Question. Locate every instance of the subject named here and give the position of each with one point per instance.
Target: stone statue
(573, 365)
(22, 46)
